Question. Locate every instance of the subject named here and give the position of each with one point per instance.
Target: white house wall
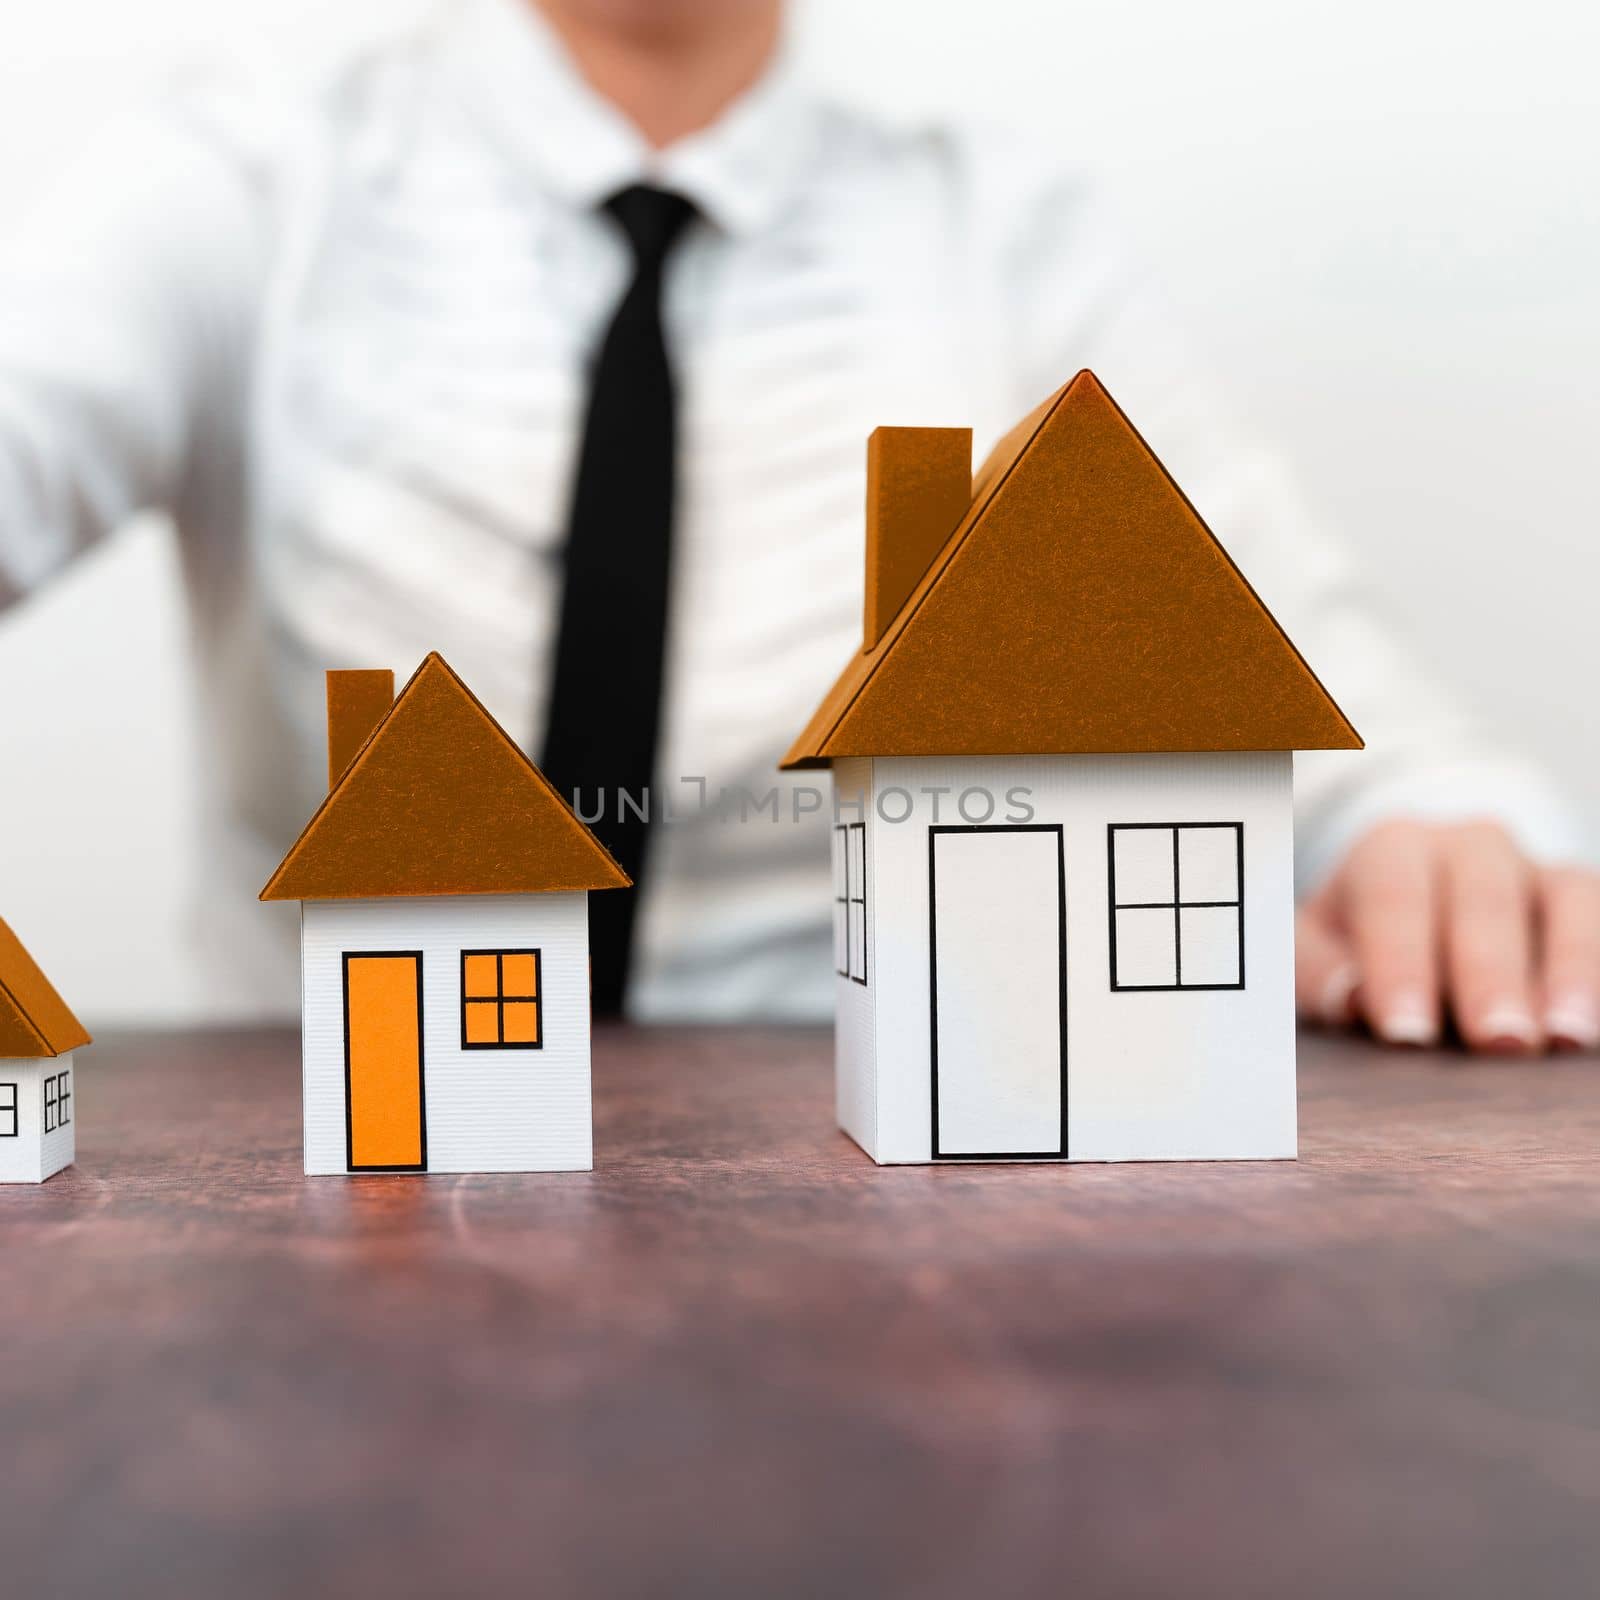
(513, 1110)
(1190, 1074)
(34, 1155)
(855, 1074)
(58, 1148)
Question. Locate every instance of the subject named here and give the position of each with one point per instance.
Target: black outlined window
(1177, 905)
(8, 1111)
(841, 901)
(850, 901)
(502, 1000)
(58, 1101)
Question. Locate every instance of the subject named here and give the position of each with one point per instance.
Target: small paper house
(37, 1037)
(444, 941)
(1063, 858)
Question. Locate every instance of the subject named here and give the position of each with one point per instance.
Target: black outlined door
(997, 938)
(386, 1127)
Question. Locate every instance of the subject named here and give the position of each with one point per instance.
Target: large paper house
(38, 1033)
(444, 941)
(1063, 852)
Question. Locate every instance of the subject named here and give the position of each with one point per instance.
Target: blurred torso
(439, 278)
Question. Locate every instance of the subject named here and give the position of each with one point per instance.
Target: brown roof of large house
(34, 1019)
(439, 800)
(1080, 605)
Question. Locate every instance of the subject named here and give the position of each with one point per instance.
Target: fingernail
(1574, 1020)
(1508, 1027)
(1408, 1021)
(1336, 993)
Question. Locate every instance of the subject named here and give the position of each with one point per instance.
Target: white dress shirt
(343, 342)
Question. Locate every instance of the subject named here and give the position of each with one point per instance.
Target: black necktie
(605, 700)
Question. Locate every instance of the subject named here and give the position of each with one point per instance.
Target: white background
(1380, 217)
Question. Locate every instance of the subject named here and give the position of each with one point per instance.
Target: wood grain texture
(739, 1359)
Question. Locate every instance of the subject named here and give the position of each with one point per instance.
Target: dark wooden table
(740, 1360)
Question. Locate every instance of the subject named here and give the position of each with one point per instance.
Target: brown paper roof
(1080, 606)
(439, 800)
(34, 1019)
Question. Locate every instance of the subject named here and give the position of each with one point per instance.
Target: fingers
(1325, 971)
(1569, 900)
(1387, 900)
(1488, 938)
(1419, 911)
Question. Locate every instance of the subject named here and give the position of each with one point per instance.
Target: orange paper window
(483, 1022)
(520, 1021)
(520, 975)
(480, 977)
(501, 1000)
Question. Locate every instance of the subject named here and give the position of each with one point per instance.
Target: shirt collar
(741, 171)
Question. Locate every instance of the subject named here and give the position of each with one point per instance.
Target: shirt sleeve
(129, 301)
(1080, 301)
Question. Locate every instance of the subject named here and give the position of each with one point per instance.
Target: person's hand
(1423, 920)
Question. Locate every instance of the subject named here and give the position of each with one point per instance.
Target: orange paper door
(383, 1062)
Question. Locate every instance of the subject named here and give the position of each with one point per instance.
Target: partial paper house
(1063, 859)
(38, 1095)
